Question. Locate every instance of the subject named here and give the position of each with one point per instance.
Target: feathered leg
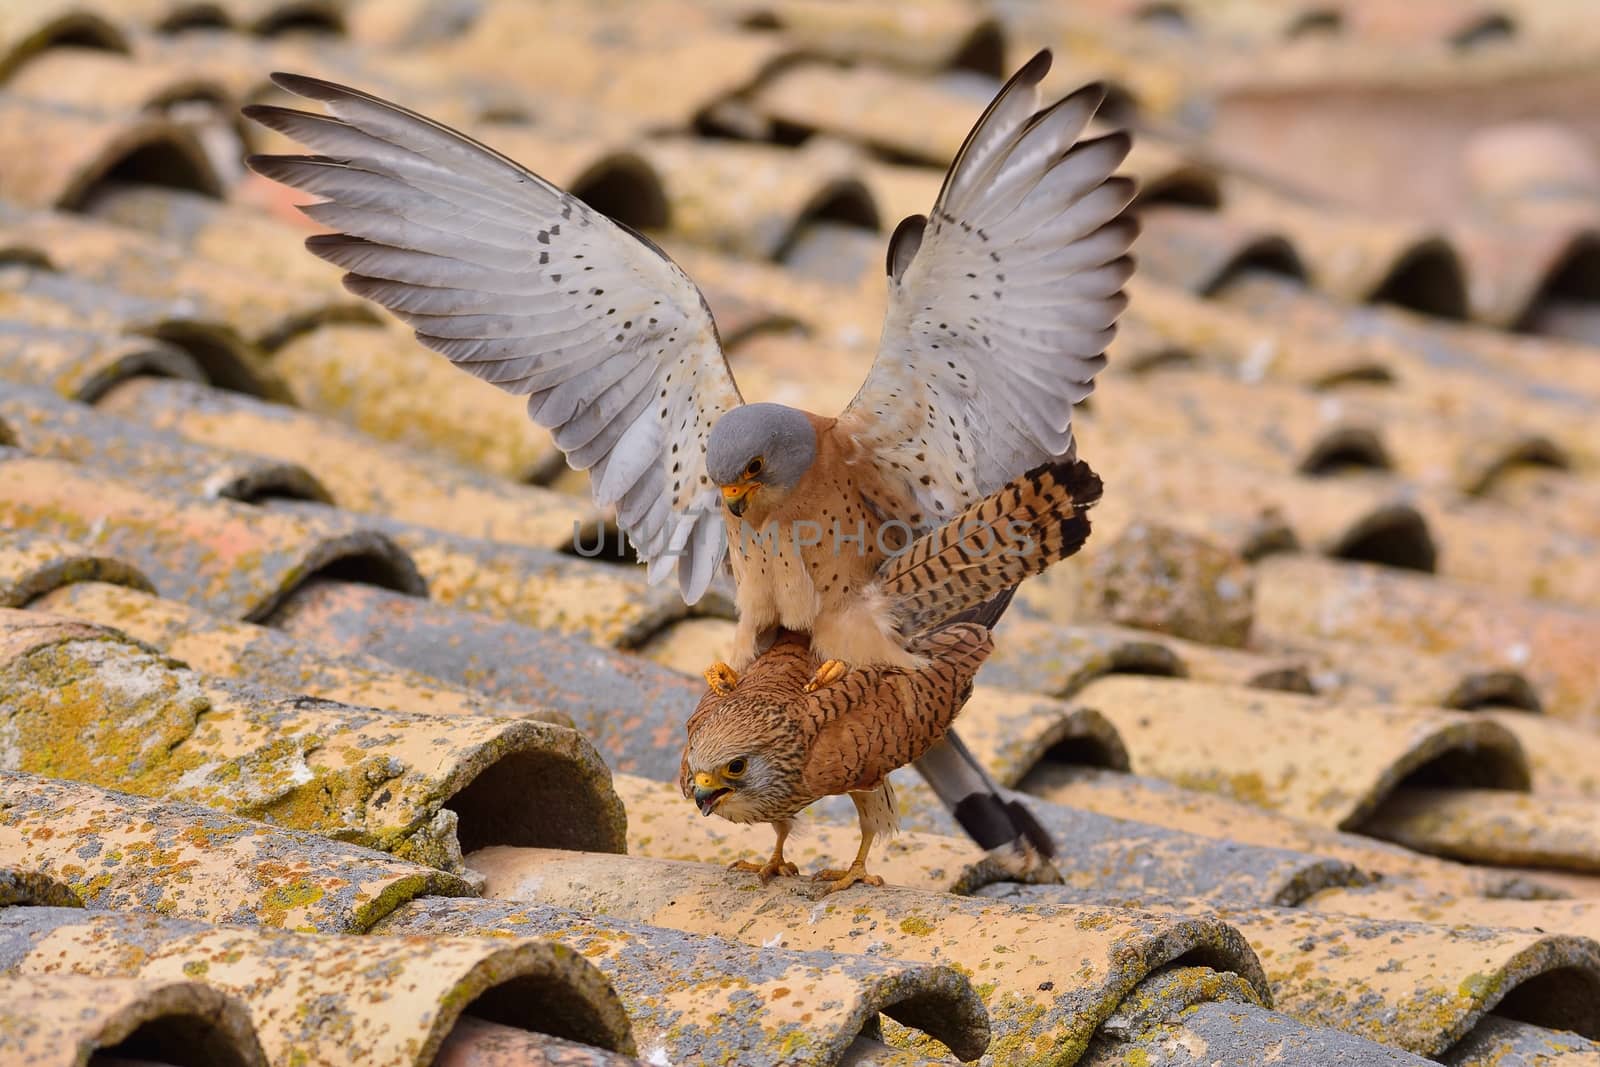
(775, 865)
(875, 808)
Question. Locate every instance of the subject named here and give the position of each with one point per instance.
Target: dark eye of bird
(754, 468)
(735, 768)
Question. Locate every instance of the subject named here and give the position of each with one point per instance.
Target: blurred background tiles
(1315, 717)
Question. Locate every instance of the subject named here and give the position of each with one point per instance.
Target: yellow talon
(721, 678)
(767, 871)
(836, 880)
(830, 671)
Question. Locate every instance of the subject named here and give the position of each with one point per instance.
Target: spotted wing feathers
(1001, 310)
(525, 286)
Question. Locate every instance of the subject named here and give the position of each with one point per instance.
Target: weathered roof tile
(56, 158)
(634, 710)
(45, 424)
(360, 473)
(1060, 975)
(1327, 767)
(71, 1021)
(692, 996)
(1497, 827)
(86, 704)
(126, 852)
(397, 999)
(70, 583)
(228, 557)
(1552, 645)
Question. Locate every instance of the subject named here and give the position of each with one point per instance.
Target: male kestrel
(774, 746)
(1001, 304)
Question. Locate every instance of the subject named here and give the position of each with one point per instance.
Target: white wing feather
(999, 319)
(527, 287)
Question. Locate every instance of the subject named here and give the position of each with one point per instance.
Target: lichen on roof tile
(89, 705)
(72, 1020)
(1040, 1011)
(397, 998)
(121, 851)
(694, 995)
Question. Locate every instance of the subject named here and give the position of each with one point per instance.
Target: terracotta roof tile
(509, 662)
(424, 403)
(1111, 950)
(1492, 827)
(1380, 901)
(1549, 644)
(50, 301)
(934, 36)
(690, 63)
(84, 363)
(1345, 972)
(33, 567)
(1328, 769)
(933, 855)
(124, 852)
(690, 995)
(56, 157)
(46, 425)
(360, 474)
(1499, 1039)
(263, 309)
(28, 31)
(231, 558)
(29, 888)
(1212, 815)
(1214, 1030)
(68, 1021)
(91, 705)
(282, 977)
(1429, 994)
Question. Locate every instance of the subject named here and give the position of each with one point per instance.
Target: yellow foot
(830, 671)
(766, 871)
(721, 678)
(834, 880)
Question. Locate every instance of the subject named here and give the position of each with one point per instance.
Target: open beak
(708, 791)
(737, 496)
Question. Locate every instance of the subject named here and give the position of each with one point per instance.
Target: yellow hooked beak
(708, 790)
(737, 496)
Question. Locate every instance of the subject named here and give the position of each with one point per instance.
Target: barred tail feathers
(1014, 533)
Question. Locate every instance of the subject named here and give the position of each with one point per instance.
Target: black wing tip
(272, 116)
(1033, 71)
(334, 240)
(1114, 137)
(307, 86)
(272, 166)
(903, 244)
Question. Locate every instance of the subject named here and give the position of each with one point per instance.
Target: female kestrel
(1002, 302)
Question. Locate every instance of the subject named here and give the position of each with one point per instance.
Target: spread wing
(1001, 302)
(525, 286)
